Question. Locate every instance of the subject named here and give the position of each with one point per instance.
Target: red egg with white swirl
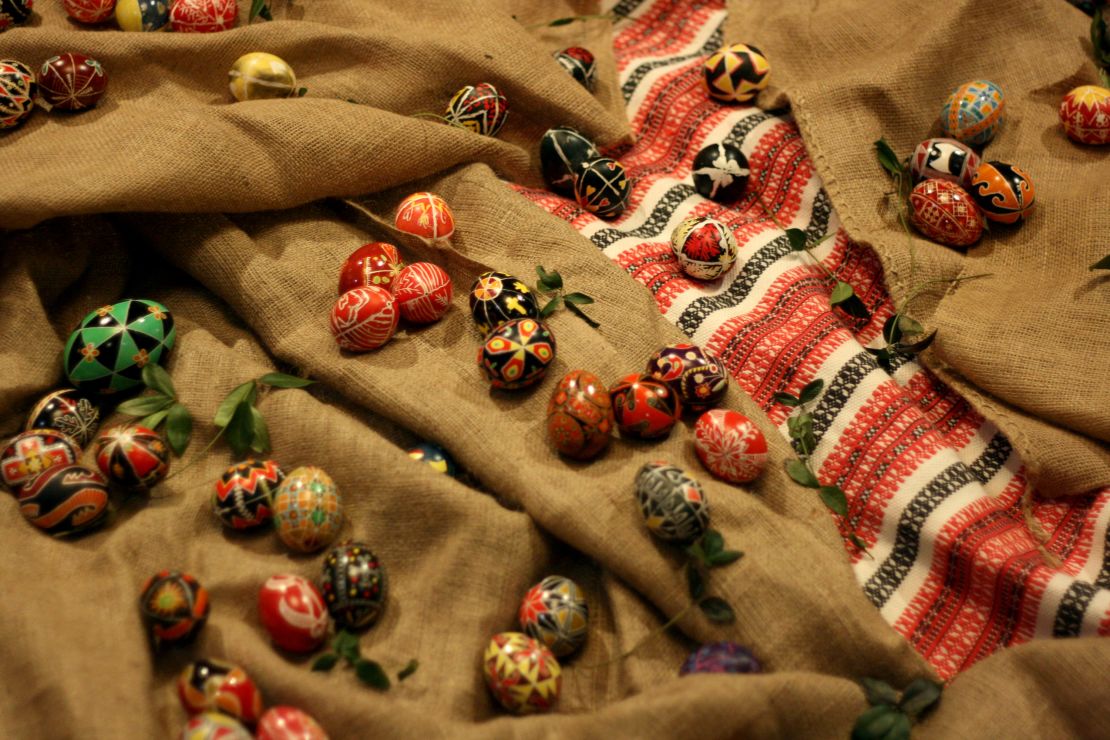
(364, 318)
(293, 612)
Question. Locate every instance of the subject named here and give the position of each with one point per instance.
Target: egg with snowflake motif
(730, 445)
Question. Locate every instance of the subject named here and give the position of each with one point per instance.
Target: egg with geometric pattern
(67, 412)
(973, 112)
(1085, 114)
(108, 350)
(31, 453)
(730, 445)
(479, 108)
(522, 673)
(672, 502)
(736, 73)
(554, 612)
(945, 212)
(698, 377)
(353, 585)
(602, 187)
(174, 608)
(17, 93)
(497, 298)
(244, 497)
(133, 457)
(517, 354)
(308, 511)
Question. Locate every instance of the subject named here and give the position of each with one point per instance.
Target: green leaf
(580, 314)
(240, 430)
(801, 474)
(552, 306)
(345, 645)
(877, 723)
(854, 307)
(371, 674)
(256, 8)
(261, 441)
(1102, 264)
(800, 426)
(302, 91)
(152, 421)
(919, 697)
(695, 580)
(560, 22)
(797, 239)
(724, 557)
(281, 380)
(842, 292)
(909, 325)
(879, 692)
(145, 405)
(245, 392)
(156, 378)
(712, 542)
(808, 442)
(892, 331)
(265, 13)
(696, 552)
(717, 610)
(917, 347)
(549, 280)
(578, 299)
(325, 662)
(1104, 76)
(856, 540)
(835, 499)
(888, 159)
(787, 399)
(179, 428)
(408, 670)
(811, 391)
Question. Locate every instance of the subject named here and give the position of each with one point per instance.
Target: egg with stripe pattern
(133, 457)
(425, 215)
(479, 108)
(423, 292)
(244, 497)
(602, 187)
(973, 112)
(944, 211)
(261, 76)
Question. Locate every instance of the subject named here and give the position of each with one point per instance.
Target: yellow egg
(259, 75)
(142, 15)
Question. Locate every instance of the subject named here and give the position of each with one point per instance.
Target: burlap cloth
(251, 291)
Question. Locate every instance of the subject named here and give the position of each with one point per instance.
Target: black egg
(563, 151)
(721, 173)
(603, 188)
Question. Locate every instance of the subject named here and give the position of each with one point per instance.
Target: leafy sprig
(1102, 264)
(550, 286)
(706, 553)
(345, 646)
(259, 9)
(800, 426)
(161, 407)
(891, 715)
(611, 16)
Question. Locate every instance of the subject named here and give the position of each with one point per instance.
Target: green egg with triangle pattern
(107, 352)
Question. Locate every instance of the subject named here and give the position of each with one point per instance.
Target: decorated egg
(216, 686)
(174, 607)
(17, 93)
(90, 11)
(244, 496)
(736, 73)
(644, 407)
(289, 723)
(563, 151)
(497, 298)
(973, 112)
(435, 456)
(376, 263)
(580, 415)
(353, 585)
(705, 247)
(1003, 192)
(554, 612)
(258, 76)
(698, 378)
(68, 413)
(579, 63)
(730, 446)
(721, 173)
(480, 108)
(65, 499)
(293, 612)
(308, 511)
(30, 453)
(203, 16)
(425, 215)
(364, 318)
(423, 292)
(944, 159)
(14, 13)
(1085, 113)
(516, 354)
(214, 726)
(133, 457)
(721, 657)
(142, 15)
(943, 211)
(521, 673)
(602, 187)
(107, 352)
(672, 502)
(72, 82)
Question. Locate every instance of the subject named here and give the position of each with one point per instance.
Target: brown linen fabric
(1028, 345)
(251, 292)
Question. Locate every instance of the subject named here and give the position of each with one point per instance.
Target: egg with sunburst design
(1085, 114)
(308, 511)
(644, 407)
(497, 298)
(479, 108)
(554, 611)
(425, 215)
(736, 73)
(108, 350)
(517, 354)
(133, 457)
(672, 502)
(522, 673)
(174, 608)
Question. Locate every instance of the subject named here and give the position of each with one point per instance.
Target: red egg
(1085, 113)
(289, 723)
(203, 16)
(425, 215)
(213, 685)
(364, 318)
(580, 416)
(293, 612)
(730, 446)
(423, 292)
(644, 407)
(72, 81)
(90, 11)
(376, 263)
(134, 457)
(944, 211)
